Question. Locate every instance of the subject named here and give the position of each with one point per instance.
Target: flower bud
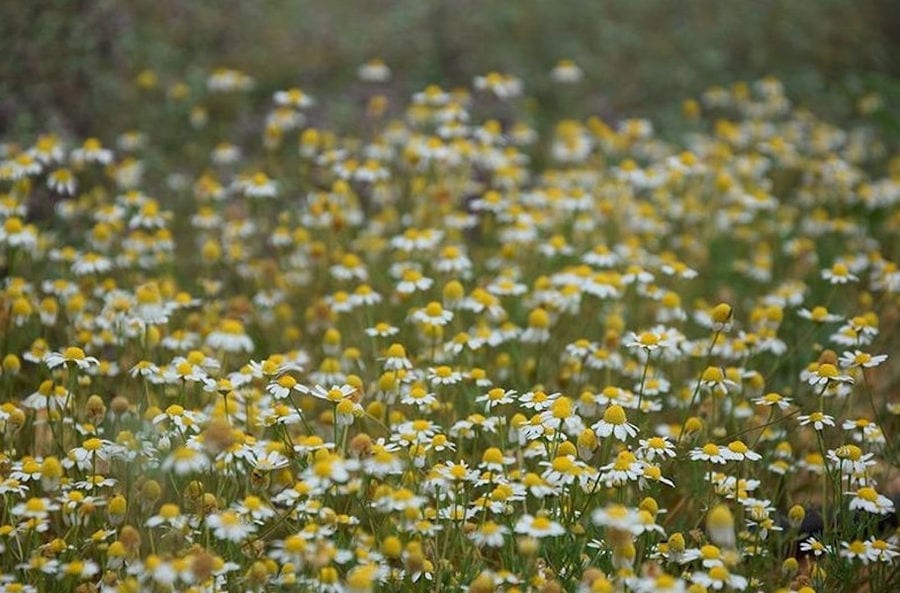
(796, 514)
(720, 526)
(721, 313)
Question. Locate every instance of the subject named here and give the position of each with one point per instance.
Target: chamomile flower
(419, 396)
(819, 314)
(283, 387)
(647, 341)
(185, 461)
(334, 394)
(294, 97)
(230, 337)
(444, 375)
(881, 550)
(538, 330)
(537, 400)
(826, 373)
(719, 578)
(432, 314)
(78, 569)
(563, 470)
(738, 451)
(656, 447)
(258, 185)
(566, 72)
(489, 535)
(839, 273)
(374, 70)
(814, 546)
(168, 514)
(228, 525)
(867, 499)
(539, 527)
(858, 358)
(615, 423)
(62, 181)
(15, 233)
(73, 355)
(615, 516)
(92, 151)
(35, 508)
(662, 583)
(856, 550)
(496, 397)
(819, 420)
(382, 329)
(773, 399)
(710, 452)
(504, 86)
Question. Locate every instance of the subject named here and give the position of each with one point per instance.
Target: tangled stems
(696, 391)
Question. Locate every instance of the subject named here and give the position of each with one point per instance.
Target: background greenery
(71, 64)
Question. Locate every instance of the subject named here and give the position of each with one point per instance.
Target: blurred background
(74, 65)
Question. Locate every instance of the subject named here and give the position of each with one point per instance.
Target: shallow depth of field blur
(449, 296)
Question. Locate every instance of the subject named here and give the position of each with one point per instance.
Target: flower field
(448, 352)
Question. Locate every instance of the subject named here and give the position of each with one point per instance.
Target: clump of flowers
(411, 359)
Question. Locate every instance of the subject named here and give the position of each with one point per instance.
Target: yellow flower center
(624, 460)
(493, 455)
(561, 408)
(73, 353)
(737, 447)
(615, 414)
(458, 472)
(34, 505)
(538, 319)
(75, 567)
(713, 375)
(345, 406)
(184, 454)
(648, 339)
(563, 464)
(867, 494)
(13, 225)
(496, 394)
(169, 511)
(294, 544)
(174, 410)
(232, 326)
(718, 573)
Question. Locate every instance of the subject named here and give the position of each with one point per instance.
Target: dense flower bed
(417, 360)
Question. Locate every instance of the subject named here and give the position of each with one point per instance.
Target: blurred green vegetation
(71, 64)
